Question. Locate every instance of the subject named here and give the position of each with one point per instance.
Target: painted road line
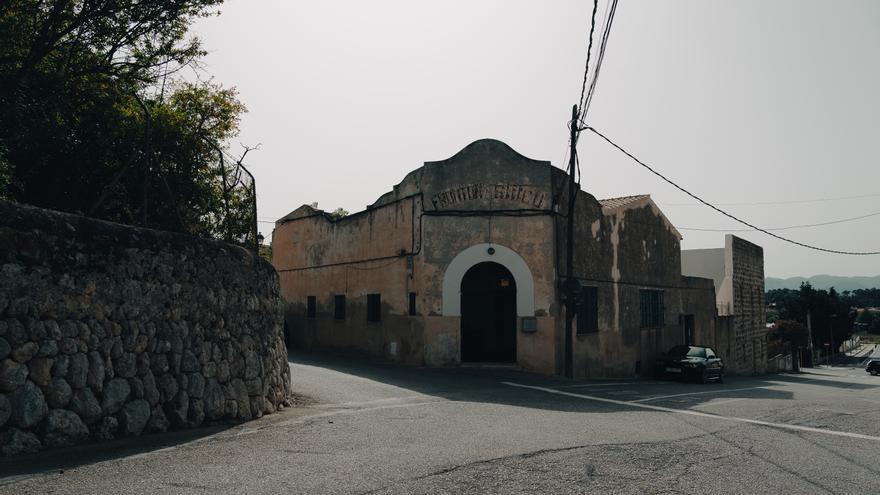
(590, 385)
(719, 391)
(689, 412)
(719, 402)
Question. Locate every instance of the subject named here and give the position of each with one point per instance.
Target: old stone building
(462, 261)
(737, 271)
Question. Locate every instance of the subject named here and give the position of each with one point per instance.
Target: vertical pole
(810, 339)
(254, 213)
(226, 226)
(832, 350)
(569, 292)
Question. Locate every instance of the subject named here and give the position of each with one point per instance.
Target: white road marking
(590, 385)
(698, 413)
(724, 401)
(719, 391)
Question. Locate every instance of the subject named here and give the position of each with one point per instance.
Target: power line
(831, 222)
(589, 51)
(719, 210)
(602, 45)
(792, 202)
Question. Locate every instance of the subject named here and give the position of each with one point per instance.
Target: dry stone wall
(108, 330)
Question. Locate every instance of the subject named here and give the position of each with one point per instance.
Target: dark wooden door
(488, 314)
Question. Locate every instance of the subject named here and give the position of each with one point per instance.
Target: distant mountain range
(840, 284)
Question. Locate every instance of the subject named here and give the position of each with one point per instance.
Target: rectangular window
(374, 304)
(651, 308)
(311, 305)
(339, 307)
(588, 311)
(412, 303)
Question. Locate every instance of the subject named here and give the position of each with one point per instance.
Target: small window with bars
(651, 308)
(311, 306)
(339, 307)
(588, 311)
(374, 305)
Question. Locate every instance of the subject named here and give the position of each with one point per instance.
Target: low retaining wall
(108, 330)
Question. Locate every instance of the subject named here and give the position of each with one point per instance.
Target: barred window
(339, 307)
(311, 305)
(374, 304)
(412, 303)
(588, 311)
(651, 308)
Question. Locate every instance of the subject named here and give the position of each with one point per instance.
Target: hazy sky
(740, 102)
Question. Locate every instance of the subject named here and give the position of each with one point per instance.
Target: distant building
(463, 261)
(737, 271)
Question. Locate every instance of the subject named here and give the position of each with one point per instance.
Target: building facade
(737, 271)
(463, 261)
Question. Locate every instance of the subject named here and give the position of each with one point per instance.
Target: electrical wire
(831, 222)
(719, 210)
(589, 51)
(770, 203)
(602, 45)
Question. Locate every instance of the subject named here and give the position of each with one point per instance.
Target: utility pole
(571, 287)
(810, 339)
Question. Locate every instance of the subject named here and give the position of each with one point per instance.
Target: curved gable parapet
(487, 175)
(488, 149)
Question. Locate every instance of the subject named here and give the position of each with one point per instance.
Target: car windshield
(687, 350)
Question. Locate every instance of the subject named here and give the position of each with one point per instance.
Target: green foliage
(338, 213)
(831, 313)
(92, 122)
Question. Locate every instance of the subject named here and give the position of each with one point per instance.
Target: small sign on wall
(529, 324)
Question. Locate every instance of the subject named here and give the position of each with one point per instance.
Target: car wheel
(875, 372)
(704, 376)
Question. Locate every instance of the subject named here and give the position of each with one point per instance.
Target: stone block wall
(750, 330)
(108, 330)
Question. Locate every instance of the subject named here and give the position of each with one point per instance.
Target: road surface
(383, 429)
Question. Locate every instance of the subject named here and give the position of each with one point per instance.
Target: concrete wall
(109, 330)
(716, 264)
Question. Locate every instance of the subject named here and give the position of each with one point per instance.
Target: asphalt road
(382, 429)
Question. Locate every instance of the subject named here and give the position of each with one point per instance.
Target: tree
(830, 314)
(92, 121)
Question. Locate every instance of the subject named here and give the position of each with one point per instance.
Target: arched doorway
(488, 314)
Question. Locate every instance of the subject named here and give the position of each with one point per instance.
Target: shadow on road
(485, 384)
(69, 458)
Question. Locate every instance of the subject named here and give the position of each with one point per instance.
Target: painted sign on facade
(532, 196)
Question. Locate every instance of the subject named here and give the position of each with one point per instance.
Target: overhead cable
(831, 222)
(587, 65)
(792, 202)
(719, 210)
(602, 45)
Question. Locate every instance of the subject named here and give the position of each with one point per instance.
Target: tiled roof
(622, 201)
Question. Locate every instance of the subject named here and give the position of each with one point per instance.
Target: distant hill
(823, 282)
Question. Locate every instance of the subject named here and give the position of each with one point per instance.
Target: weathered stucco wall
(487, 195)
(620, 251)
(404, 243)
(109, 330)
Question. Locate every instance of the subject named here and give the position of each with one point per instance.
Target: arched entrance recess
(488, 314)
(479, 253)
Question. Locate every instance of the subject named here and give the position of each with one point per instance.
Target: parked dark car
(690, 362)
(873, 367)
